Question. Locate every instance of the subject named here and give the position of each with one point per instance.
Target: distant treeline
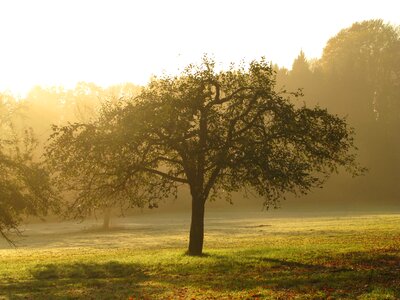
(358, 76)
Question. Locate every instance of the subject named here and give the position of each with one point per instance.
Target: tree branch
(227, 98)
(165, 175)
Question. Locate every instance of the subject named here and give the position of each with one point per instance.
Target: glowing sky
(61, 42)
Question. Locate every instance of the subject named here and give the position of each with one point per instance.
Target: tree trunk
(106, 218)
(196, 227)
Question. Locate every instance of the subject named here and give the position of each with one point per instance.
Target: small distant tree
(24, 182)
(301, 66)
(217, 132)
(87, 169)
(79, 172)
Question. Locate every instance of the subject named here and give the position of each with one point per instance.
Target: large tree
(219, 132)
(24, 182)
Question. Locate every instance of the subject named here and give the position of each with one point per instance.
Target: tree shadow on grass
(346, 277)
(85, 270)
(343, 276)
(78, 281)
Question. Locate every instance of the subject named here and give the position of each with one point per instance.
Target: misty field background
(248, 255)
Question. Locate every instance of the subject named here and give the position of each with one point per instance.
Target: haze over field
(108, 42)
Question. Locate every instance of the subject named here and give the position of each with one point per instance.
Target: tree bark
(197, 227)
(106, 218)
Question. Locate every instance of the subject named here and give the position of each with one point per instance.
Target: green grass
(282, 258)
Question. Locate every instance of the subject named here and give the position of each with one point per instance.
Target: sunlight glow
(107, 42)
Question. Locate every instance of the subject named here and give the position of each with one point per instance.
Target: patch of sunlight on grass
(378, 294)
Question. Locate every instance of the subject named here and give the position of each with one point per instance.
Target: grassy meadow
(247, 256)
